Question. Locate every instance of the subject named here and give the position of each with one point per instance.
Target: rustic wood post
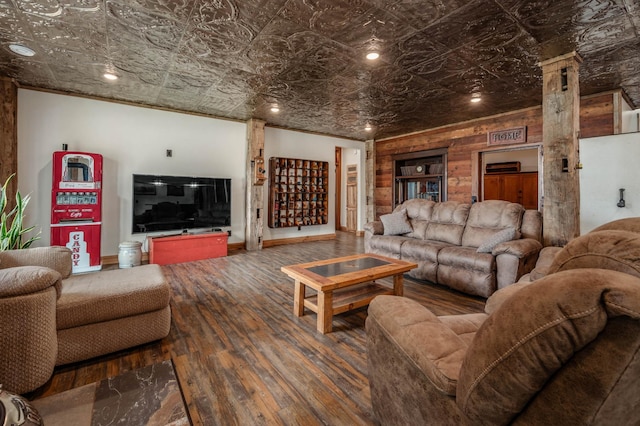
(370, 179)
(560, 133)
(9, 138)
(255, 179)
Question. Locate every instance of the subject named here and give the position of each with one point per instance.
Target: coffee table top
(344, 271)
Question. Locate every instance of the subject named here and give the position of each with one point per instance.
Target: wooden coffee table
(343, 284)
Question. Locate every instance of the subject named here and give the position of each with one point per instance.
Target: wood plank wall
(462, 139)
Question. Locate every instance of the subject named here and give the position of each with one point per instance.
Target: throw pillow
(396, 223)
(490, 243)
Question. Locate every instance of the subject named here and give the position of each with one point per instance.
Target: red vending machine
(76, 207)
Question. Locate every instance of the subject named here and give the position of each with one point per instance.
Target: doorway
(352, 197)
(511, 174)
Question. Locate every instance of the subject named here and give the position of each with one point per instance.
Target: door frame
(477, 171)
(338, 195)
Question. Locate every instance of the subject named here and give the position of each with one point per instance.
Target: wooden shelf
(427, 185)
(298, 192)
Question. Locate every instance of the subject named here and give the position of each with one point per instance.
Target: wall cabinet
(420, 174)
(298, 192)
(515, 187)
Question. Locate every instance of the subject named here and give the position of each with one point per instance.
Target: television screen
(169, 203)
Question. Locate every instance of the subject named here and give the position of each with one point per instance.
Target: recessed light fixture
(372, 56)
(475, 98)
(275, 108)
(22, 50)
(110, 76)
(368, 128)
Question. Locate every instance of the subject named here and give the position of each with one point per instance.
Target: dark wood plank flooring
(242, 357)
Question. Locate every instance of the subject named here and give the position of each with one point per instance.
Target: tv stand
(164, 250)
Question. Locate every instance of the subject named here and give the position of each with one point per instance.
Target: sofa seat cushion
(467, 258)
(422, 250)
(387, 244)
(465, 326)
(109, 295)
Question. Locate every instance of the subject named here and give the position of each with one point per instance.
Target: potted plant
(12, 231)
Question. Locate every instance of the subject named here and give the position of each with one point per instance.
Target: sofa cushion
(522, 345)
(489, 217)
(387, 245)
(396, 223)
(467, 258)
(447, 222)
(490, 243)
(92, 298)
(422, 249)
(23, 280)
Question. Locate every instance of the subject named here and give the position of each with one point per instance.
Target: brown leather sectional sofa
(462, 245)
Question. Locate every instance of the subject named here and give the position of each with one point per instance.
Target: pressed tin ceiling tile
(235, 59)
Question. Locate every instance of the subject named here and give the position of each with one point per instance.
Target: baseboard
(295, 240)
(236, 246)
(357, 233)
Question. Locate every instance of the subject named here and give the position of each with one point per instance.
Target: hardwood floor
(242, 357)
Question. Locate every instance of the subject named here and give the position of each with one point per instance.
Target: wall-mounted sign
(508, 136)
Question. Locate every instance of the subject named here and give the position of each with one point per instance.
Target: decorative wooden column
(255, 179)
(9, 138)
(370, 179)
(560, 132)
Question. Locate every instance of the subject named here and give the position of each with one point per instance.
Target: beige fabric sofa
(445, 238)
(562, 349)
(50, 317)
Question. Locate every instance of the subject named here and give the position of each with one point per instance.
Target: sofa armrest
(514, 259)
(374, 228)
(56, 258)
(520, 248)
(436, 349)
(24, 280)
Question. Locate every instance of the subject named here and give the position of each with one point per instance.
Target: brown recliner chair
(49, 317)
(563, 349)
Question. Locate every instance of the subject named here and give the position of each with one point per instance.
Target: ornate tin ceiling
(235, 58)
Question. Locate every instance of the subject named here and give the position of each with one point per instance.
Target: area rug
(147, 396)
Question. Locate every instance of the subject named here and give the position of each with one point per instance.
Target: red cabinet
(187, 248)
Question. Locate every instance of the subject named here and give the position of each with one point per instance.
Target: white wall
(528, 158)
(131, 140)
(290, 144)
(608, 164)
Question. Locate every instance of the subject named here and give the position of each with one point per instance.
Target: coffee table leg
(298, 299)
(325, 311)
(398, 288)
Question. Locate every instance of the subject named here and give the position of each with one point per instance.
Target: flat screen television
(177, 203)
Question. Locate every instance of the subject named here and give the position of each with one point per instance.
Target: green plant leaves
(12, 232)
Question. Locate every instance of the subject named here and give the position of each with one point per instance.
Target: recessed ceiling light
(110, 76)
(475, 98)
(373, 56)
(275, 108)
(368, 128)
(21, 50)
